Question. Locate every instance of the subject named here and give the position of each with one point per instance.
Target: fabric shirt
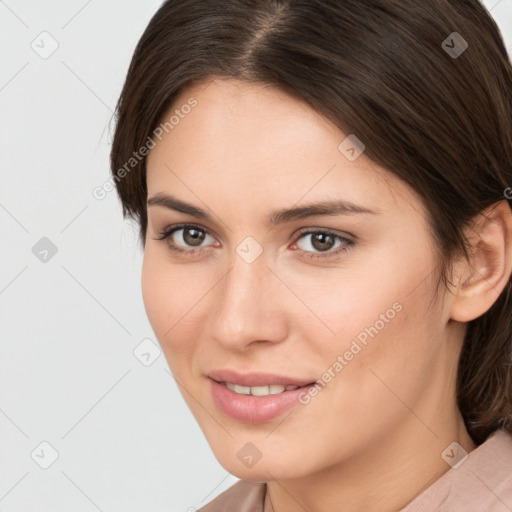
(481, 483)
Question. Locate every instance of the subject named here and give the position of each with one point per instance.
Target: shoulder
(243, 496)
(482, 481)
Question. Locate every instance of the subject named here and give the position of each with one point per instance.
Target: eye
(185, 238)
(322, 243)
(190, 239)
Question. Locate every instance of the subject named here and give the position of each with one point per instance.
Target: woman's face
(263, 289)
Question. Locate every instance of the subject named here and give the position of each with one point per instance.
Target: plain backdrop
(90, 417)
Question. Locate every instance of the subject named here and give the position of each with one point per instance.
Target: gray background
(71, 375)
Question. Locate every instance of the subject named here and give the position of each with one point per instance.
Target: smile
(271, 389)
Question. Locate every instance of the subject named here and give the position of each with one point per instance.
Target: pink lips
(254, 409)
(255, 379)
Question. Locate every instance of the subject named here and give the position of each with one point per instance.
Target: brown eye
(193, 237)
(318, 244)
(186, 238)
(322, 241)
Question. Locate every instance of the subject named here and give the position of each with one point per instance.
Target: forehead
(256, 144)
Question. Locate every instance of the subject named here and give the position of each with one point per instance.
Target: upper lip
(255, 378)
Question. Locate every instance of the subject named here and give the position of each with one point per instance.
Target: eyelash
(348, 243)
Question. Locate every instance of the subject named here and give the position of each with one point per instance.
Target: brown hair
(379, 69)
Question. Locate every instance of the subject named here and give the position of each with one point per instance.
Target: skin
(372, 438)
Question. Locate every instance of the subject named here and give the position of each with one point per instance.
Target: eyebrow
(278, 217)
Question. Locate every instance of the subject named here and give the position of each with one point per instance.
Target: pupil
(196, 236)
(322, 241)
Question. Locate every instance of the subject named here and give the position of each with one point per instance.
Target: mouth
(255, 398)
(255, 380)
(271, 389)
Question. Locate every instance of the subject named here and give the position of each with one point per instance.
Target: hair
(379, 69)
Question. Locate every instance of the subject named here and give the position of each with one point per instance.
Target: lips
(253, 409)
(257, 379)
(255, 397)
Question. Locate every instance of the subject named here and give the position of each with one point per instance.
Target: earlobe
(485, 276)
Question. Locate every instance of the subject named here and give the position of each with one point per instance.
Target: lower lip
(254, 409)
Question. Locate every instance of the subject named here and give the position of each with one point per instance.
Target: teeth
(272, 389)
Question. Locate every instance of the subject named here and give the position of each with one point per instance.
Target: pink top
(482, 483)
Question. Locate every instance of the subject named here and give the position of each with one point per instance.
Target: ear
(483, 278)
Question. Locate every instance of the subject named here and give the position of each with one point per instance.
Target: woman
(323, 195)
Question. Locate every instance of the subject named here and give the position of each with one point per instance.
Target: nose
(248, 306)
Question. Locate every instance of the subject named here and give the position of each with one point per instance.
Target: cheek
(167, 298)
(378, 317)
(158, 301)
(365, 295)
(173, 299)
(388, 353)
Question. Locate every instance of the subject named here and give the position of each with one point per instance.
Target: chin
(267, 468)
